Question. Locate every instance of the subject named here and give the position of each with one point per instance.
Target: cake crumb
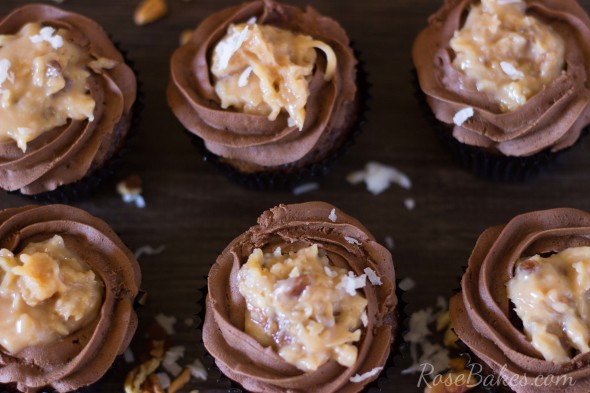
(130, 191)
(305, 188)
(463, 115)
(379, 177)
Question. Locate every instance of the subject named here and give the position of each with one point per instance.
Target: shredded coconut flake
(333, 216)
(244, 76)
(278, 252)
(372, 276)
(329, 272)
(5, 74)
(360, 378)
(305, 188)
(128, 356)
(170, 362)
(227, 48)
(167, 323)
(148, 250)
(379, 177)
(163, 380)
(389, 242)
(351, 283)
(46, 35)
(352, 240)
(410, 203)
(364, 318)
(134, 198)
(252, 20)
(463, 115)
(198, 371)
(511, 70)
(407, 284)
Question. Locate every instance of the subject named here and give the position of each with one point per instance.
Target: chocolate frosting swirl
(84, 356)
(481, 314)
(66, 154)
(551, 119)
(293, 227)
(253, 139)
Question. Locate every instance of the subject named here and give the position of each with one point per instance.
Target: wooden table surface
(195, 212)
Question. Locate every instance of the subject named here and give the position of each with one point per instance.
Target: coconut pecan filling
(551, 297)
(308, 310)
(46, 292)
(43, 83)
(264, 70)
(508, 54)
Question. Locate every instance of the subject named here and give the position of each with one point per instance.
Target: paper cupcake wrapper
(382, 383)
(72, 192)
(483, 163)
(292, 176)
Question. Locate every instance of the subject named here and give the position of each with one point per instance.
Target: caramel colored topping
(551, 298)
(43, 83)
(306, 309)
(46, 292)
(509, 55)
(261, 69)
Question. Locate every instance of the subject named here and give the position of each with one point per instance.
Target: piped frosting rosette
(253, 140)
(68, 153)
(294, 227)
(85, 355)
(551, 119)
(481, 313)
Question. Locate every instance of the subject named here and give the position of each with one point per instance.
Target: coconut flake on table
(148, 250)
(510, 70)
(352, 240)
(360, 378)
(198, 371)
(5, 73)
(389, 242)
(372, 276)
(163, 380)
(46, 35)
(167, 323)
(351, 283)
(170, 362)
(305, 188)
(422, 350)
(407, 284)
(333, 216)
(410, 203)
(379, 177)
(463, 115)
(128, 356)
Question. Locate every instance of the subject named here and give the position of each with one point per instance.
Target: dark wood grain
(195, 212)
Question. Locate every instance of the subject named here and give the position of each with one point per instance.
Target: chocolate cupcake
(507, 81)
(522, 309)
(303, 301)
(269, 90)
(67, 100)
(67, 287)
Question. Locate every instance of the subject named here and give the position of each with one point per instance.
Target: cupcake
(303, 301)
(269, 90)
(507, 81)
(523, 306)
(67, 101)
(67, 287)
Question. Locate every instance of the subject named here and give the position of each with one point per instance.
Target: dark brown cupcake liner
(485, 164)
(378, 385)
(292, 176)
(71, 192)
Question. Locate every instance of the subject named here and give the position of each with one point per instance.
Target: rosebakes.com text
(475, 377)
